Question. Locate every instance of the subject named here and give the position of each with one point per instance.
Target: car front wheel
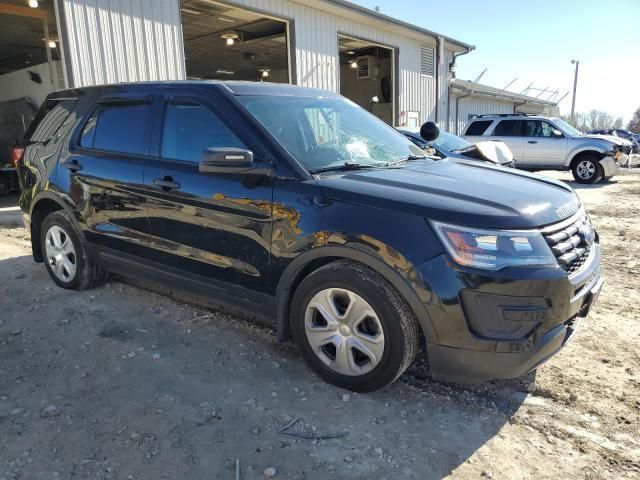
(587, 169)
(352, 327)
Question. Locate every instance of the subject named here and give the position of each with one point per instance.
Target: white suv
(547, 143)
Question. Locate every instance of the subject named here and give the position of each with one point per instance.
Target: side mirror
(429, 131)
(226, 160)
(556, 134)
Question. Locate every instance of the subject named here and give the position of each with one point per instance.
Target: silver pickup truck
(548, 143)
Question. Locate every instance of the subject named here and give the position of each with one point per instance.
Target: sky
(535, 41)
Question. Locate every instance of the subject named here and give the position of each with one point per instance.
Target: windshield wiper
(343, 167)
(406, 159)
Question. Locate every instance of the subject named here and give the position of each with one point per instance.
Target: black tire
(590, 162)
(400, 328)
(87, 273)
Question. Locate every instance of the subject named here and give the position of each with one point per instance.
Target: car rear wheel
(587, 169)
(65, 255)
(352, 327)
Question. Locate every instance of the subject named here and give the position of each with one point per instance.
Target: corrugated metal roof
(387, 19)
(479, 89)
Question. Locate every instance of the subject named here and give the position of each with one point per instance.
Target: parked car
(548, 143)
(447, 145)
(621, 133)
(299, 207)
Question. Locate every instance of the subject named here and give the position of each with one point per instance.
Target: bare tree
(594, 120)
(634, 123)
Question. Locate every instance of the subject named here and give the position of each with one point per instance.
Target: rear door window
(190, 128)
(50, 118)
(508, 128)
(117, 128)
(478, 127)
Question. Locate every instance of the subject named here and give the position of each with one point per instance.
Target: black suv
(295, 205)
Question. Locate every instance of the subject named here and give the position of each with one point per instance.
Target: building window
(427, 60)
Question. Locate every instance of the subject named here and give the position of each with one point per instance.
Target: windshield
(566, 128)
(450, 142)
(326, 132)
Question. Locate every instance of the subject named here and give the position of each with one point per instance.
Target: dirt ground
(122, 383)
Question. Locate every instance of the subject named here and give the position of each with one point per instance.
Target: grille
(569, 242)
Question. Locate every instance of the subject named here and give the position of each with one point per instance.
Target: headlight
(494, 249)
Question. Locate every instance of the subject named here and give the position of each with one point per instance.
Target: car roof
(230, 87)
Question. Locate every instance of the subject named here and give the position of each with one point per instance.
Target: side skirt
(198, 290)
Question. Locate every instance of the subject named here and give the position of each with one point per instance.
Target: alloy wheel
(586, 169)
(344, 331)
(61, 253)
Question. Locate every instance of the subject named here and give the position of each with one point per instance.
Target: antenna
(542, 91)
(480, 76)
(553, 95)
(509, 84)
(524, 92)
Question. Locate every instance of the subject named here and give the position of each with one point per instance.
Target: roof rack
(506, 115)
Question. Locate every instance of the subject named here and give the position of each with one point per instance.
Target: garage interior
(366, 76)
(229, 43)
(30, 66)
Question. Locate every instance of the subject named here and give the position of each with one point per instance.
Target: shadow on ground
(119, 381)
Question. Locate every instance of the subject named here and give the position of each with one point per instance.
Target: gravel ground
(123, 383)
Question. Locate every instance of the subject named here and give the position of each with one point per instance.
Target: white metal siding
(475, 106)
(132, 40)
(316, 51)
(113, 41)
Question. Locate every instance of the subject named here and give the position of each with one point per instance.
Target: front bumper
(611, 165)
(543, 304)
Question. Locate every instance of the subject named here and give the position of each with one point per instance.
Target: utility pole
(575, 85)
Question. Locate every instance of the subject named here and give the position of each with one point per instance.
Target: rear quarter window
(50, 118)
(117, 128)
(478, 127)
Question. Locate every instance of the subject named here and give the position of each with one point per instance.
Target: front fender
(591, 147)
(408, 283)
(391, 243)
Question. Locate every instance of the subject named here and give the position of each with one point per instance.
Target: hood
(610, 138)
(461, 192)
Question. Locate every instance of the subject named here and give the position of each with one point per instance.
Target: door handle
(166, 183)
(73, 165)
(532, 141)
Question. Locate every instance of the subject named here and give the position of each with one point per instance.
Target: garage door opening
(229, 43)
(30, 69)
(367, 76)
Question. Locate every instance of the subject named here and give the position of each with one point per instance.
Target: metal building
(467, 99)
(400, 72)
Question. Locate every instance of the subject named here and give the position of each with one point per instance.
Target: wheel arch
(43, 205)
(587, 151)
(311, 260)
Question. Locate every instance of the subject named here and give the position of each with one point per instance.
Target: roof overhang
(366, 15)
(480, 90)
